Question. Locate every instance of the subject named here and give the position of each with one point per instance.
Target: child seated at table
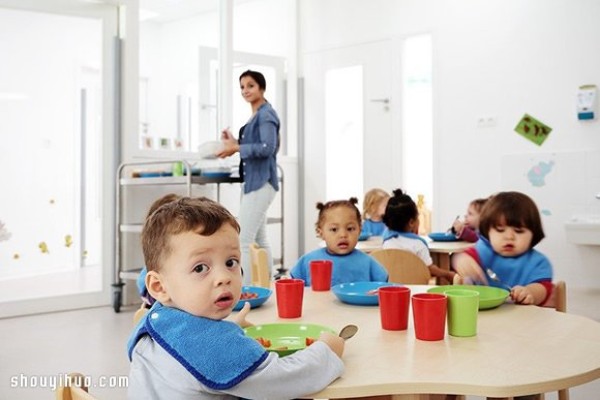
(147, 299)
(338, 224)
(510, 227)
(373, 208)
(183, 347)
(469, 229)
(402, 219)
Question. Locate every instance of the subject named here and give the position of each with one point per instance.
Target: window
(417, 154)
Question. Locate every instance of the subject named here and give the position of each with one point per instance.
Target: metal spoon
(348, 331)
(494, 277)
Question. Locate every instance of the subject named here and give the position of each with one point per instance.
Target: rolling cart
(122, 274)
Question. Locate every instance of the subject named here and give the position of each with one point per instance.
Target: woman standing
(258, 145)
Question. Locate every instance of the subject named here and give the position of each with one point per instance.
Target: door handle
(384, 100)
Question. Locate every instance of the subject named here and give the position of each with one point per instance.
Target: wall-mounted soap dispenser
(586, 102)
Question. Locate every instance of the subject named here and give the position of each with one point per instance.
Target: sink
(583, 229)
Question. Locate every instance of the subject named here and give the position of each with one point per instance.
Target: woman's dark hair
(513, 209)
(324, 207)
(257, 76)
(400, 210)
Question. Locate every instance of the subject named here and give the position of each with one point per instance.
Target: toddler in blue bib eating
(183, 348)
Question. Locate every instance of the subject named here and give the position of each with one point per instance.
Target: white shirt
(413, 245)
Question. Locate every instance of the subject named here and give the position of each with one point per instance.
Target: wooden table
(441, 252)
(518, 350)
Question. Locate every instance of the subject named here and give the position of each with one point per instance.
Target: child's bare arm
(467, 267)
(334, 342)
(534, 293)
(438, 272)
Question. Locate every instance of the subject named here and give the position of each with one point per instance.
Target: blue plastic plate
(263, 295)
(364, 236)
(443, 237)
(358, 292)
(154, 174)
(215, 174)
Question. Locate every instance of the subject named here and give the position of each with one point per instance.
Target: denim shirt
(259, 143)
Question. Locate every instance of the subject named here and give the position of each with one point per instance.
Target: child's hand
(468, 268)
(240, 318)
(226, 134)
(457, 227)
(334, 342)
(534, 293)
(521, 295)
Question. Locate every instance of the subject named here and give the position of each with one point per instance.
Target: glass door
(57, 156)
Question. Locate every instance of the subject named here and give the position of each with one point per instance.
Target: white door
(57, 124)
(351, 134)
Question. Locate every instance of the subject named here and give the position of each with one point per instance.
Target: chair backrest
(75, 389)
(558, 301)
(558, 298)
(560, 290)
(139, 313)
(259, 259)
(403, 266)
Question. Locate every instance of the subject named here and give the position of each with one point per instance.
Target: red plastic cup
(429, 314)
(289, 293)
(320, 275)
(394, 302)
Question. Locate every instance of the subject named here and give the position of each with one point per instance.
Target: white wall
(501, 59)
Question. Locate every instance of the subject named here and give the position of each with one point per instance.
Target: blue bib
(217, 353)
(389, 234)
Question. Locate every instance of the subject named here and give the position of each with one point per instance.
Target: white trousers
(253, 225)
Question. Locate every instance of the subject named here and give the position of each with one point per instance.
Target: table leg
(442, 260)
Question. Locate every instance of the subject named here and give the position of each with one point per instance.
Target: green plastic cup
(178, 168)
(463, 308)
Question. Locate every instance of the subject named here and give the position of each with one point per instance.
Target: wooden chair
(259, 259)
(75, 390)
(140, 312)
(404, 267)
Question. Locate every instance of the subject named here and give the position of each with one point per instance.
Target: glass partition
(179, 69)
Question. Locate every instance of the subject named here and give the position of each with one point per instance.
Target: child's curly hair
(399, 211)
(330, 205)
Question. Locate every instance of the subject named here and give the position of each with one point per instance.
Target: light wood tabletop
(518, 350)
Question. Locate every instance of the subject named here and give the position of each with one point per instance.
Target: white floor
(38, 350)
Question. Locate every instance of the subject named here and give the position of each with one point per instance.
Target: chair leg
(563, 394)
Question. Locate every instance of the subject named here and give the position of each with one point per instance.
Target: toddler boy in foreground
(183, 348)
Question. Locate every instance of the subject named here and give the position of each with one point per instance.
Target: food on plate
(264, 342)
(248, 295)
